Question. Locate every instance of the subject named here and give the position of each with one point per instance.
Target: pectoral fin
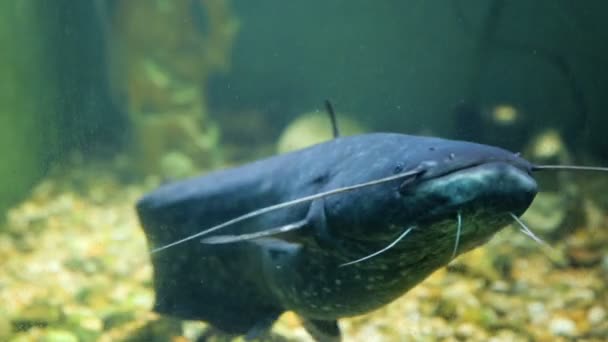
(318, 221)
(315, 218)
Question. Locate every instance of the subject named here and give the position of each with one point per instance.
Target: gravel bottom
(75, 267)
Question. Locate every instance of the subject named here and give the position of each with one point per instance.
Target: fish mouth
(493, 187)
(470, 204)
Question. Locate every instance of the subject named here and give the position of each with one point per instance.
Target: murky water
(104, 101)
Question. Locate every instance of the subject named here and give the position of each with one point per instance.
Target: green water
(102, 101)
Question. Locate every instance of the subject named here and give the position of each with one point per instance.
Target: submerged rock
(560, 326)
(313, 128)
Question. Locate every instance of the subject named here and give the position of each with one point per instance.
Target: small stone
(605, 262)
(193, 329)
(583, 256)
(537, 312)
(580, 298)
(465, 331)
(58, 336)
(596, 315)
(505, 335)
(488, 318)
(561, 326)
(500, 286)
(446, 309)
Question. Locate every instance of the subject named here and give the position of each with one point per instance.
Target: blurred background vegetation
(186, 85)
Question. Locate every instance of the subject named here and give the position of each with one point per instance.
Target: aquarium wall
(55, 97)
(25, 91)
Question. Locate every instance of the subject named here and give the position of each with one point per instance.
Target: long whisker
(291, 203)
(569, 168)
(380, 251)
(221, 239)
(524, 229)
(458, 231)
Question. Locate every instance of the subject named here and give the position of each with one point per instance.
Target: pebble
(58, 336)
(604, 263)
(501, 286)
(596, 315)
(580, 297)
(583, 256)
(561, 326)
(537, 312)
(466, 331)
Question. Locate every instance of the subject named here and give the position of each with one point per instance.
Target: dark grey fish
(331, 231)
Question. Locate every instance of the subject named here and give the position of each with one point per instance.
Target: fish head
(474, 186)
(470, 204)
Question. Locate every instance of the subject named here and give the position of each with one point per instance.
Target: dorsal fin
(329, 108)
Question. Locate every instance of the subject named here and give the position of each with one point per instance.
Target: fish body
(242, 286)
